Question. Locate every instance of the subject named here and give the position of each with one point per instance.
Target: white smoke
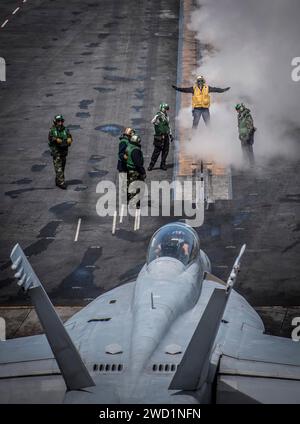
(250, 47)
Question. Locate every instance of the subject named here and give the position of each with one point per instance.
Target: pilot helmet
(172, 244)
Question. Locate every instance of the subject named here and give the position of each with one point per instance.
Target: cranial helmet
(240, 107)
(163, 107)
(58, 118)
(136, 138)
(129, 131)
(201, 79)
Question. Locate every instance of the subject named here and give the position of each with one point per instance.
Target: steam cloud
(249, 46)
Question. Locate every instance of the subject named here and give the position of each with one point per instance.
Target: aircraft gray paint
(177, 334)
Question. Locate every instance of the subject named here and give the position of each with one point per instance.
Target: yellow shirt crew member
(200, 99)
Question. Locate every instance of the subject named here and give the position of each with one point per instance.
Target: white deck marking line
(137, 220)
(77, 231)
(4, 23)
(113, 230)
(13, 13)
(122, 213)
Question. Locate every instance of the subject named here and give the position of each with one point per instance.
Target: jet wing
(261, 369)
(70, 363)
(29, 372)
(24, 349)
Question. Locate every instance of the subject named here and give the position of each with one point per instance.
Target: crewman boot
(63, 185)
(150, 167)
(163, 166)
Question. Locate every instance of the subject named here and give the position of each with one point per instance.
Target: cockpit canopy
(177, 240)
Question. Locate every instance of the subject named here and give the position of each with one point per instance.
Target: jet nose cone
(165, 268)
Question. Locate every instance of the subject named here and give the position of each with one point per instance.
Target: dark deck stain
(74, 127)
(80, 188)
(118, 78)
(92, 45)
(137, 108)
(110, 24)
(73, 182)
(83, 115)
(49, 230)
(13, 194)
(46, 154)
(62, 208)
(84, 104)
(104, 89)
(22, 181)
(103, 35)
(38, 167)
(297, 228)
(291, 246)
(290, 198)
(109, 68)
(97, 173)
(38, 247)
(96, 158)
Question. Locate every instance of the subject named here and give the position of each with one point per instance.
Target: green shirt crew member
(162, 137)
(123, 143)
(122, 164)
(246, 132)
(135, 163)
(59, 140)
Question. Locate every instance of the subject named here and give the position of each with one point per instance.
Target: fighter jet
(176, 335)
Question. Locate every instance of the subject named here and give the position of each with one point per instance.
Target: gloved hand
(58, 140)
(244, 138)
(174, 86)
(69, 141)
(171, 138)
(143, 177)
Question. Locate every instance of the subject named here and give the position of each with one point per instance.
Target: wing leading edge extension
(73, 370)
